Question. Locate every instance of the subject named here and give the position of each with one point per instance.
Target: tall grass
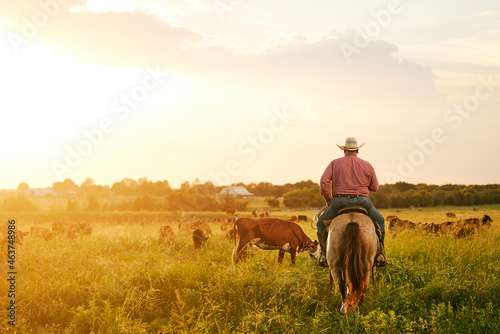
(121, 280)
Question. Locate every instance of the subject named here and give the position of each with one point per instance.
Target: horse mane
(354, 264)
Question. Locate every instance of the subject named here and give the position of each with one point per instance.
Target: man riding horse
(347, 181)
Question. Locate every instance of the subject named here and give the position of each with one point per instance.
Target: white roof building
(39, 192)
(236, 192)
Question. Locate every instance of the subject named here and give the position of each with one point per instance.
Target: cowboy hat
(351, 144)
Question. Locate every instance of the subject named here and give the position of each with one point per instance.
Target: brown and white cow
(71, 230)
(166, 234)
(270, 234)
(302, 218)
(41, 232)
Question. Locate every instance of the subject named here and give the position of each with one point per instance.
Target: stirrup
(322, 261)
(380, 260)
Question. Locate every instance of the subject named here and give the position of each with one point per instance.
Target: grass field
(121, 280)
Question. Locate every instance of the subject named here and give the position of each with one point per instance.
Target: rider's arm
(325, 183)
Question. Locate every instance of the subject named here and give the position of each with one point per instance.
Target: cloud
(373, 90)
(137, 39)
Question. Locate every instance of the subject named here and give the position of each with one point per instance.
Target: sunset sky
(248, 90)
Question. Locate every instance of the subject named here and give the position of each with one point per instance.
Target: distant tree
(207, 188)
(398, 202)
(423, 198)
(19, 204)
(381, 200)
(450, 200)
(22, 187)
(240, 205)
(92, 203)
(301, 198)
(147, 202)
(71, 205)
(64, 187)
(88, 187)
(403, 186)
(125, 187)
(227, 202)
(273, 202)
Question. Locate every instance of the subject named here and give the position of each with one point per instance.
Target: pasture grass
(121, 280)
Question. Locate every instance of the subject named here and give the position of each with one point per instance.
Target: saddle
(349, 209)
(352, 208)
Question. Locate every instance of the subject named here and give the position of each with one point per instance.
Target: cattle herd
(260, 230)
(62, 229)
(458, 229)
(286, 236)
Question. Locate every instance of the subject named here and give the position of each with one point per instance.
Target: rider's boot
(381, 259)
(322, 243)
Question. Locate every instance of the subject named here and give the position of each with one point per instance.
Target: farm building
(40, 192)
(236, 192)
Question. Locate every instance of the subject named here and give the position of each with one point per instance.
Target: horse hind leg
(337, 276)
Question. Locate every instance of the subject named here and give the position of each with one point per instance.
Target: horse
(352, 245)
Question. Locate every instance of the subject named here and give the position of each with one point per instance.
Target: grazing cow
(166, 233)
(433, 228)
(470, 221)
(41, 232)
(302, 218)
(199, 238)
(254, 213)
(270, 234)
(184, 227)
(447, 226)
(70, 230)
(293, 218)
(230, 211)
(201, 225)
(231, 234)
(84, 229)
(451, 215)
(264, 214)
(19, 236)
(487, 220)
(475, 208)
(226, 224)
(422, 226)
(464, 231)
(187, 228)
(60, 228)
(395, 223)
(469, 226)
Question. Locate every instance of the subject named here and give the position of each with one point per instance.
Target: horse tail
(354, 263)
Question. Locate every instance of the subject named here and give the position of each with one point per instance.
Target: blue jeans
(339, 202)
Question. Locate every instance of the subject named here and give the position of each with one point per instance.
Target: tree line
(402, 194)
(143, 194)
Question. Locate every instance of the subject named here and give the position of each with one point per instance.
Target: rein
(316, 217)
